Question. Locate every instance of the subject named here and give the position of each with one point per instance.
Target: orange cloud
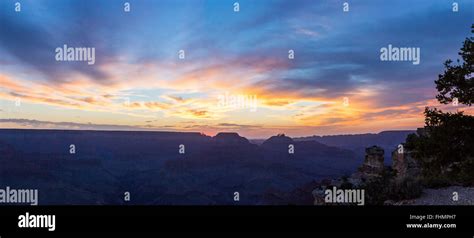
(6, 83)
(157, 105)
(198, 113)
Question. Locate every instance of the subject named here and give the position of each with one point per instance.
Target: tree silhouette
(457, 81)
(445, 146)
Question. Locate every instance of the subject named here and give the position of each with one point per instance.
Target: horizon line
(195, 132)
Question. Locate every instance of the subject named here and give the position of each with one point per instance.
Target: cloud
(198, 113)
(175, 98)
(237, 126)
(37, 124)
(245, 53)
(34, 46)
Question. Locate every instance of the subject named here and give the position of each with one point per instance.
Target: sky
(236, 74)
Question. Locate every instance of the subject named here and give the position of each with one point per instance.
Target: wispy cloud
(139, 77)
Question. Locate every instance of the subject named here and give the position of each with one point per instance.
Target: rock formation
(373, 165)
(278, 141)
(404, 165)
(372, 168)
(230, 138)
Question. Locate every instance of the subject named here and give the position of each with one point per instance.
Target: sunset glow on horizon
(235, 73)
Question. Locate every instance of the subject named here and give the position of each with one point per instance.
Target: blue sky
(239, 53)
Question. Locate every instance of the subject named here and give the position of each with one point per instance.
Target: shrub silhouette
(445, 146)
